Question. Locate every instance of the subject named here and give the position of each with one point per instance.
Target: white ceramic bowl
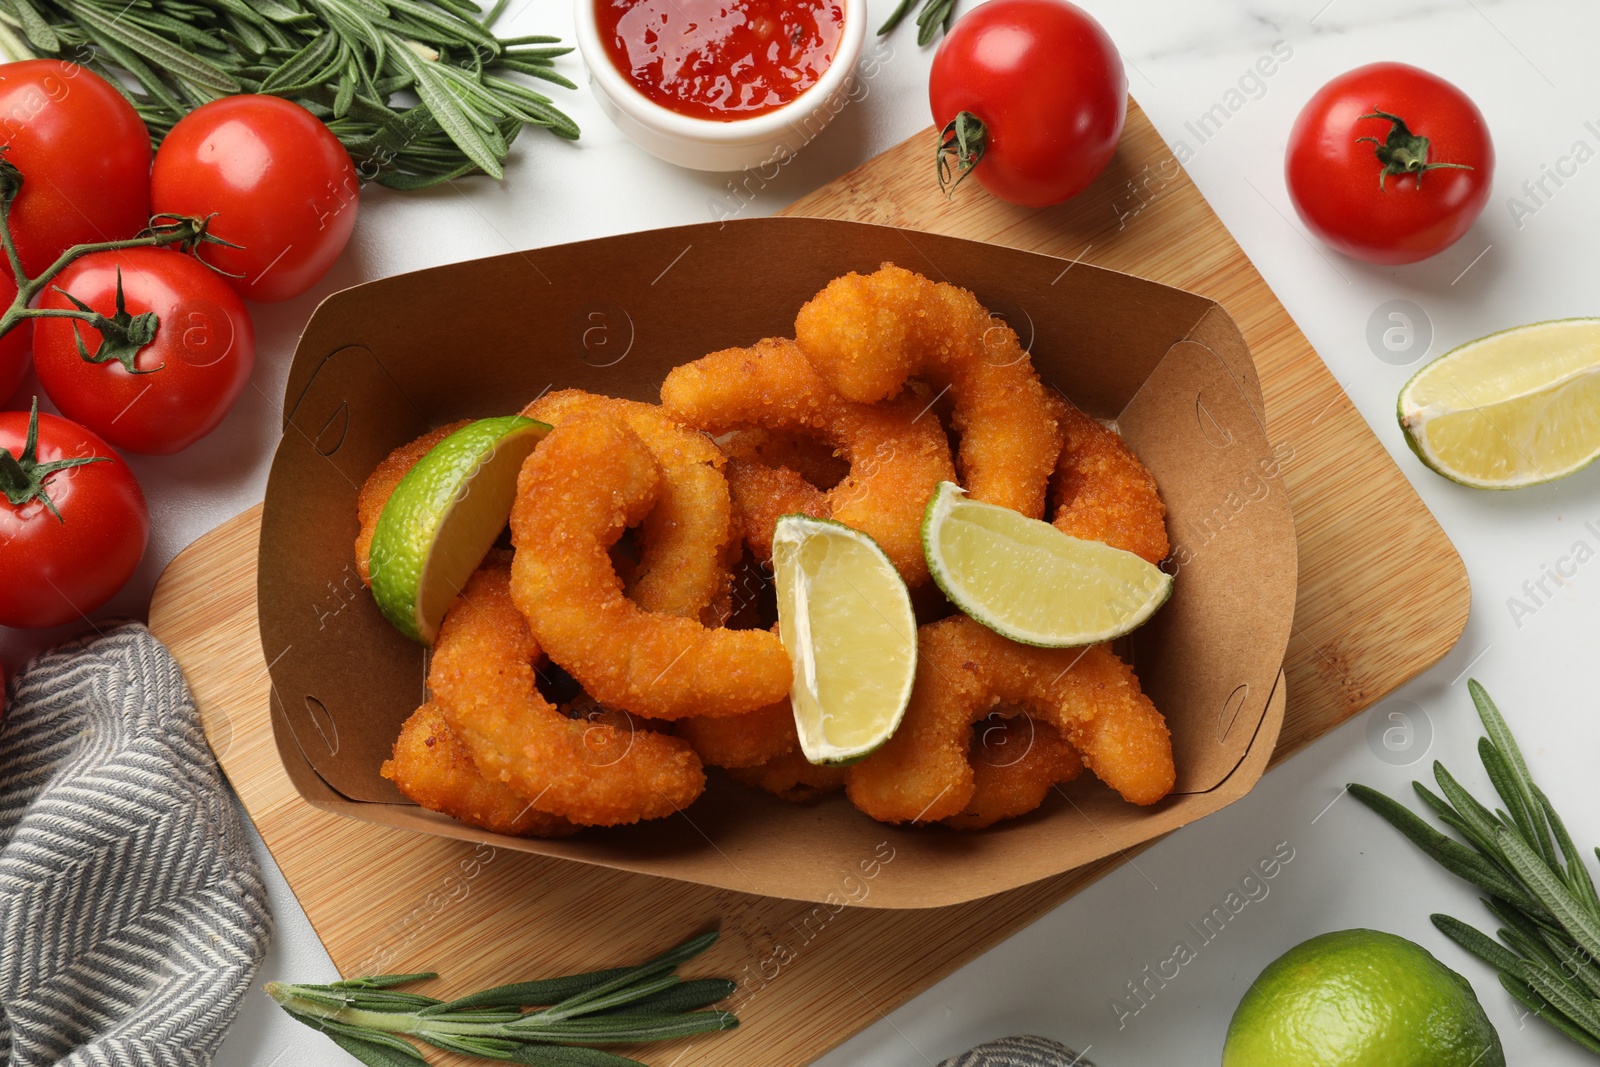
(706, 144)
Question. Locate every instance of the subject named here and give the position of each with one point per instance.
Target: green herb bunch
(649, 1002)
(1548, 954)
(418, 91)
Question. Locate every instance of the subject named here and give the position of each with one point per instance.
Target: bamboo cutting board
(1382, 595)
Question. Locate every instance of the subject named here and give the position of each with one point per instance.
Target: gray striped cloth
(1027, 1050)
(132, 912)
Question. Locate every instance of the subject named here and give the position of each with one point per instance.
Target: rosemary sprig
(549, 1022)
(1548, 956)
(935, 18)
(345, 60)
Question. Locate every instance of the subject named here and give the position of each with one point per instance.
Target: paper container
(382, 362)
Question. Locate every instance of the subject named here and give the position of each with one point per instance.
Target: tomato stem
(119, 331)
(965, 138)
(1402, 152)
(23, 479)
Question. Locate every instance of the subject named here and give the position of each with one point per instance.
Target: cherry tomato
(14, 345)
(1043, 90)
(171, 392)
(70, 535)
(280, 183)
(84, 154)
(1389, 163)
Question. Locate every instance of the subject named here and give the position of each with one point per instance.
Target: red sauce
(721, 59)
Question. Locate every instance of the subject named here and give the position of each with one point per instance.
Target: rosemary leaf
(688, 996)
(1551, 892)
(1494, 724)
(1544, 1010)
(1577, 874)
(1475, 942)
(1452, 855)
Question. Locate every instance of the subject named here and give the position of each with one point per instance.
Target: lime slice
(1512, 409)
(845, 619)
(443, 518)
(1026, 580)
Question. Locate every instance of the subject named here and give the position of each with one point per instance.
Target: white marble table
(1528, 63)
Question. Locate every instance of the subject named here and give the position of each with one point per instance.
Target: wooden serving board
(1382, 595)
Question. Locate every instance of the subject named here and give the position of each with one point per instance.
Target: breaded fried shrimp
(924, 774)
(1101, 492)
(897, 458)
(588, 481)
(432, 767)
(689, 540)
(594, 774)
(867, 334)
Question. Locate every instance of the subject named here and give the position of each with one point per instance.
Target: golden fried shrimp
(1100, 490)
(592, 773)
(689, 541)
(747, 740)
(964, 670)
(867, 334)
(815, 461)
(896, 459)
(791, 776)
(588, 481)
(432, 767)
(1013, 776)
(379, 486)
(761, 494)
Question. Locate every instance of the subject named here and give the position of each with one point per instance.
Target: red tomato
(182, 383)
(1396, 187)
(84, 154)
(14, 345)
(279, 182)
(1047, 90)
(58, 569)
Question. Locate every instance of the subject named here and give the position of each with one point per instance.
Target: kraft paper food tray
(382, 362)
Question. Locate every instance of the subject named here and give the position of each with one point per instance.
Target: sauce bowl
(721, 145)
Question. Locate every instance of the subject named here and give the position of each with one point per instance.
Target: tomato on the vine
(279, 182)
(73, 522)
(85, 157)
(159, 396)
(1389, 163)
(1031, 96)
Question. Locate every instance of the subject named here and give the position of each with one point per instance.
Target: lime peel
(443, 517)
(1028, 581)
(845, 618)
(1513, 409)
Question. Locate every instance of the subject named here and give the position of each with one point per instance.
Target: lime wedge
(1026, 580)
(845, 619)
(1515, 408)
(443, 518)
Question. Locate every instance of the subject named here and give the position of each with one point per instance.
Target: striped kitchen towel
(1024, 1051)
(132, 912)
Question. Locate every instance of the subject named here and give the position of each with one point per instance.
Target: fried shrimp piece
(791, 776)
(592, 773)
(964, 670)
(689, 541)
(816, 461)
(432, 767)
(747, 740)
(588, 481)
(897, 459)
(379, 486)
(1102, 492)
(1012, 778)
(867, 334)
(762, 494)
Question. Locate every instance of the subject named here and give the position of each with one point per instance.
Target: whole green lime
(1360, 998)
